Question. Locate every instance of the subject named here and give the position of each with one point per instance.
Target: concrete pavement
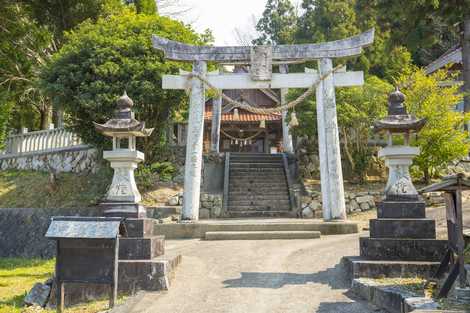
(275, 276)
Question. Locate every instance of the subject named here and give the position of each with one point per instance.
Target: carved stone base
(399, 185)
(119, 209)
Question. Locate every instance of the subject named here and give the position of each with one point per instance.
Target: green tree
(100, 61)
(278, 23)
(5, 115)
(325, 20)
(64, 15)
(146, 7)
(358, 108)
(442, 139)
(25, 46)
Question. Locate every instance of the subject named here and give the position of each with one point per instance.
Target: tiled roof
(245, 116)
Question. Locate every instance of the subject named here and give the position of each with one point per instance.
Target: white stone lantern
(123, 197)
(398, 158)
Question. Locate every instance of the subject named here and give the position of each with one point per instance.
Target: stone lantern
(123, 198)
(398, 158)
(402, 241)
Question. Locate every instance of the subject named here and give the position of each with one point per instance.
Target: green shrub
(102, 60)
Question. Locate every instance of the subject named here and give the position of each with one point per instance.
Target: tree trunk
(427, 176)
(466, 61)
(45, 117)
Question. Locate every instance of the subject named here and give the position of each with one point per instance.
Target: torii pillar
(261, 60)
(216, 118)
(194, 143)
(286, 135)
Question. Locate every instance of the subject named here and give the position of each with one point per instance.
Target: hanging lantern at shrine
(293, 120)
(262, 124)
(236, 116)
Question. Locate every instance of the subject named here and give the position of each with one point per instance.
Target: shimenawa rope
(242, 139)
(252, 109)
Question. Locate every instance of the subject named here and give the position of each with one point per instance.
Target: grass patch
(30, 189)
(18, 276)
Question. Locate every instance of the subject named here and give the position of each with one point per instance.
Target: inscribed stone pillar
(322, 153)
(216, 117)
(194, 143)
(286, 136)
(331, 136)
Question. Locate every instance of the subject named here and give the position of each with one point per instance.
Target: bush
(100, 61)
(443, 139)
(148, 175)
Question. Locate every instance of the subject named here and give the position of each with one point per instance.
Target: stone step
(248, 207)
(258, 213)
(257, 177)
(141, 248)
(260, 197)
(393, 209)
(258, 188)
(255, 173)
(149, 275)
(259, 203)
(259, 180)
(261, 235)
(198, 230)
(256, 160)
(255, 157)
(255, 193)
(403, 228)
(402, 249)
(258, 170)
(360, 267)
(256, 165)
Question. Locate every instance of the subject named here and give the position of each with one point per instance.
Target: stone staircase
(257, 186)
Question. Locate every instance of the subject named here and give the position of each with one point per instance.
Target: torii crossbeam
(261, 59)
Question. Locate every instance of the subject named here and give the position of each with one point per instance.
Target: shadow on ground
(334, 277)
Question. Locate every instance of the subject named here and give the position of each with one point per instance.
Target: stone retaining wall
(22, 231)
(311, 206)
(76, 159)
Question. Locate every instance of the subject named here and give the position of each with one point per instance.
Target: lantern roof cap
(123, 123)
(398, 120)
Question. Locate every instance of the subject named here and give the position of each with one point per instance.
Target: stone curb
(391, 298)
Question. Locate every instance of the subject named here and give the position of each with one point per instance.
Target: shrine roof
(453, 55)
(244, 116)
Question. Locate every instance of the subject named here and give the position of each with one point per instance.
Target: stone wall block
(73, 160)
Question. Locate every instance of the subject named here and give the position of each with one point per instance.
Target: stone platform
(200, 228)
(143, 265)
(402, 243)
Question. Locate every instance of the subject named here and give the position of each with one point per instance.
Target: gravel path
(272, 276)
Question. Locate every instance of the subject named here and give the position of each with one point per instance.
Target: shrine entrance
(260, 61)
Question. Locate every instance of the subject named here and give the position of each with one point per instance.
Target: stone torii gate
(261, 59)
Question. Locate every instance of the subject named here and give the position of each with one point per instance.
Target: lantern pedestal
(123, 197)
(398, 160)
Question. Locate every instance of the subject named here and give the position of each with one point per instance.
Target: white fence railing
(40, 141)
